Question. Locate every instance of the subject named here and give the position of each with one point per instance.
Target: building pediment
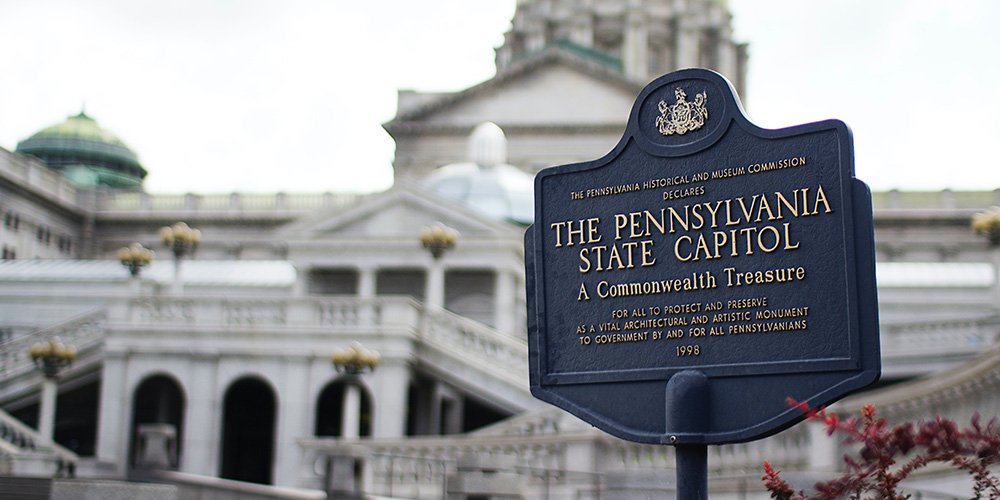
(555, 86)
(399, 213)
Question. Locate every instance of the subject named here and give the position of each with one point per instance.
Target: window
(11, 221)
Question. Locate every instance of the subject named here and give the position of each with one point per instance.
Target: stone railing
(308, 312)
(934, 200)
(789, 448)
(234, 203)
(83, 332)
(477, 344)
(34, 175)
(423, 467)
(24, 454)
(451, 334)
(194, 486)
(939, 337)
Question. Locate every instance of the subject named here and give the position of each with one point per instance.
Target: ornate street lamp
(180, 239)
(988, 224)
(355, 360)
(438, 238)
(135, 257)
(50, 357)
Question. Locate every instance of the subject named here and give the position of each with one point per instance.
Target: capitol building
(331, 345)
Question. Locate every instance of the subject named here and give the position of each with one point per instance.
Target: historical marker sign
(702, 244)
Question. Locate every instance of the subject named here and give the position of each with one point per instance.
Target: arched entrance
(157, 423)
(330, 409)
(248, 417)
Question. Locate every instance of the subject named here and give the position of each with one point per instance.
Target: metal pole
(687, 417)
(692, 472)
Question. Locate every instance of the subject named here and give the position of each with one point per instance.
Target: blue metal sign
(703, 245)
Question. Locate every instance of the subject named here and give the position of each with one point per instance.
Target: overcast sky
(289, 95)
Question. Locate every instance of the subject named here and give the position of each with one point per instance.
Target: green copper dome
(86, 153)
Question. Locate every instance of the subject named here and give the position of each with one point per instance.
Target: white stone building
(222, 369)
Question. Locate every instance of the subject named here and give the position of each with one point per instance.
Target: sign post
(683, 287)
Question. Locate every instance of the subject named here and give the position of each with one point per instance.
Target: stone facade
(218, 366)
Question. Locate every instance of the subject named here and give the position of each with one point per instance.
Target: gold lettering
(708, 206)
(620, 222)
(729, 215)
(659, 225)
(781, 200)
(614, 256)
(760, 239)
(677, 249)
(569, 239)
(634, 225)
(788, 239)
(820, 195)
(748, 213)
(764, 205)
(675, 216)
(718, 242)
(592, 230)
(557, 226)
(630, 246)
(647, 252)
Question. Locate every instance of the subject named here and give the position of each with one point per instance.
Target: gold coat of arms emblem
(682, 116)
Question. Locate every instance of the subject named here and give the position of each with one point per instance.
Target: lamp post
(181, 240)
(50, 357)
(988, 224)
(353, 362)
(437, 239)
(135, 257)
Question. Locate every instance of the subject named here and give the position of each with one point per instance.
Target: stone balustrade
(84, 332)
(233, 203)
(967, 336)
(934, 200)
(21, 451)
(477, 344)
(421, 467)
(34, 175)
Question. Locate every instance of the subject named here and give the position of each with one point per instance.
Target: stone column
(367, 286)
(392, 383)
(823, 449)
(47, 411)
(687, 43)
(635, 46)
(536, 35)
(434, 296)
(292, 421)
(504, 299)
(583, 27)
(727, 55)
(202, 417)
(350, 420)
(366, 283)
(114, 427)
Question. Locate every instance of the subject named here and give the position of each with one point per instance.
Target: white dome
(487, 183)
